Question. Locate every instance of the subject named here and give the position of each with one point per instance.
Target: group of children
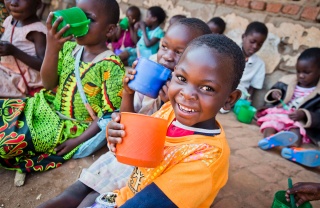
(209, 74)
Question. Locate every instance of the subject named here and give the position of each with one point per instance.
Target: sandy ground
(254, 177)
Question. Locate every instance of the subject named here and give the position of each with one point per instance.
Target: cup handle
(80, 23)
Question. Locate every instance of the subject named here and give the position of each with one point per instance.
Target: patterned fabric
(299, 94)
(3, 15)
(35, 121)
(194, 168)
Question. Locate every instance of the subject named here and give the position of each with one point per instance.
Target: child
(254, 72)
(195, 165)
(42, 133)
(106, 174)
(298, 121)
(150, 34)
(171, 48)
(22, 49)
(176, 18)
(126, 34)
(3, 15)
(304, 192)
(217, 25)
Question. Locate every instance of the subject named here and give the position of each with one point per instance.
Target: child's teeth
(186, 109)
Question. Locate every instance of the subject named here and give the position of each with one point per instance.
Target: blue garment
(148, 51)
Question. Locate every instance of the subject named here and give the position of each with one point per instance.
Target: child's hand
(6, 48)
(66, 147)
(55, 40)
(297, 115)
(129, 76)
(115, 131)
(304, 192)
(276, 95)
(164, 92)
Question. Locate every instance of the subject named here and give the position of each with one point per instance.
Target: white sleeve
(258, 79)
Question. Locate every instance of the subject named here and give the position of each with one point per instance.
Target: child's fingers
(132, 72)
(134, 64)
(63, 30)
(67, 38)
(56, 23)
(49, 20)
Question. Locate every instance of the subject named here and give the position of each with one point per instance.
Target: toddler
(40, 133)
(150, 34)
(22, 49)
(217, 25)
(296, 119)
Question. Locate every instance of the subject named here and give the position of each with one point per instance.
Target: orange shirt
(194, 168)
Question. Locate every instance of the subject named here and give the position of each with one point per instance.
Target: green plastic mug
(124, 23)
(279, 201)
(240, 103)
(76, 18)
(246, 114)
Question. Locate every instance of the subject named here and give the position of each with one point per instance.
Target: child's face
(173, 44)
(200, 86)
(308, 73)
(149, 20)
(99, 29)
(132, 16)
(22, 9)
(215, 29)
(252, 42)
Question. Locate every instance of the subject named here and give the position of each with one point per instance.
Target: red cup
(143, 143)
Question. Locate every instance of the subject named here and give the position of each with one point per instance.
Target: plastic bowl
(150, 77)
(279, 201)
(76, 18)
(143, 144)
(246, 114)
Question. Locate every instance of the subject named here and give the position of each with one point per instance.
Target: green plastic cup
(240, 103)
(76, 18)
(124, 23)
(246, 114)
(279, 201)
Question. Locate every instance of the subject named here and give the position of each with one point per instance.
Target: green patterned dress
(30, 128)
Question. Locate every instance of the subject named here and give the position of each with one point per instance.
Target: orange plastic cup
(143, 144)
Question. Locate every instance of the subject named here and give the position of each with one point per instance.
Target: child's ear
(111, 30)
(232, 99)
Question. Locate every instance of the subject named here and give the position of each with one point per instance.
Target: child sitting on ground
(195, 165)
(150, 34)
(125, 35)
(106, 174)
(298, 120)
(22, 49)
(42, 133)
(254, 72)
(217, 25)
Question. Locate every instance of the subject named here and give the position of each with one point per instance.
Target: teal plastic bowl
(76, 18)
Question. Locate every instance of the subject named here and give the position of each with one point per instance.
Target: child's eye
(207, 88)
(181, 78)
(179, 52)
(164, 47)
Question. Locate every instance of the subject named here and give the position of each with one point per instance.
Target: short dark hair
(178, 16)
(227, 47)
(135, 10)
(258, 27)
(312, 54)
(112, 10)
(219, 22)
(158, 12)
(197, 25)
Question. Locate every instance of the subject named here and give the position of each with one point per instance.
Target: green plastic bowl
(280, 201)
(76, 18)
(246, 114)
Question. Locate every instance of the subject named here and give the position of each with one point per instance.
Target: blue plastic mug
(150, 77)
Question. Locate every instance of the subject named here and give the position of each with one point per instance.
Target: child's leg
(268, 132)
(71, 197)
(89, 200)
(297, 132)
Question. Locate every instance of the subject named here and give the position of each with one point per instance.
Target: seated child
(175, 18)
(217, 25)
(106, 174)
(40, 133)
(150, 34)
(195, 165)
(254, 72)
(22, 49)
(297, 119)
(125, 34)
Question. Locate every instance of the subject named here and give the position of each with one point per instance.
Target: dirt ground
(254, 175)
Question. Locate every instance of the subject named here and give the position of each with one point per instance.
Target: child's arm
(128, 93)
(55, 43)
(39, 40)
(147, 41)
(304, 192)
(133, 34)
(70, 144)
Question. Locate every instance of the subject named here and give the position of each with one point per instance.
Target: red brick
(230, 2)
(258, 5)
(243, 3)
(310, 13)
(274, 7)
(291, 9)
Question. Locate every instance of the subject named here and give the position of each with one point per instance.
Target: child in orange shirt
(196, 153)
